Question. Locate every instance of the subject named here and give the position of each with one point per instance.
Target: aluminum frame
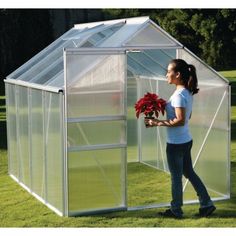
(96, 51)
(34, 86)
(229, 141)
(66, 183)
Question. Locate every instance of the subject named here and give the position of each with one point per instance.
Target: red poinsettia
(150, 104)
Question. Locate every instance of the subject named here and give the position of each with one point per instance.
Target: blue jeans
(180, 163)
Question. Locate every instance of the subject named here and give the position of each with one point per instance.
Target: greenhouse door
(95, 92)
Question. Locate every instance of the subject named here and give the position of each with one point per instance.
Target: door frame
(94, 51)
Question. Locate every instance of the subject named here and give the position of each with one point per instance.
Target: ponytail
(192, 84)
(188, 75)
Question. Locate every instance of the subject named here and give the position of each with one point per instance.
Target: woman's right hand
(149, 122)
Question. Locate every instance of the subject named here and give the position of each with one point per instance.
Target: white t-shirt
(180, 98)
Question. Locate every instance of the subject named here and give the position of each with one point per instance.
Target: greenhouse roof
(46, 69)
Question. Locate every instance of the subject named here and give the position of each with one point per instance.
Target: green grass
(229, 74)
(19, 209)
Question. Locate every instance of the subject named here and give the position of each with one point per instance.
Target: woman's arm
(179, 119)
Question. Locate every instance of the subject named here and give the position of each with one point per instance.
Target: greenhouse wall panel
(23, 135)
(11, 129)
(38, 148)
(95, 180)
(54, 156)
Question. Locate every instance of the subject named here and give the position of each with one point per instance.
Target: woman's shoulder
(184, 92)
(181, 94)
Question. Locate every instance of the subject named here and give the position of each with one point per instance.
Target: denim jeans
(180, 163)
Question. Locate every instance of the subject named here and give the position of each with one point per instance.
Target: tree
(216, 29)
(23, 34)
(209, 33)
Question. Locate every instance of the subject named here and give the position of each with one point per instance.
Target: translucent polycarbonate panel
(85, 31)
(145, 61)
(73, 33)
(40, 56)
(38, 70)
(205, 75)
(11, 127)
(57, 80)
(137, 69)
(161, 56)
(54, 149)
(37, 142)
(50, 72)
(90, 133)
(23, 135)
(215, 154)
(212, 157)
(211, 164)
(95, 85)
(52, 63)
(205, 106)
(150, 63)
(132, 125)
(96, 180)
(101, 36)
(150, 35)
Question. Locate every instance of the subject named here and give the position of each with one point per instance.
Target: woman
(179, 139)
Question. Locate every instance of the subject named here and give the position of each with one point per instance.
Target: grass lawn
(19, 209)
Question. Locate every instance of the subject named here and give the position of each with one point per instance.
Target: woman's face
(171, 75)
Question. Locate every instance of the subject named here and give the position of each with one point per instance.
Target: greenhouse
(73, 139)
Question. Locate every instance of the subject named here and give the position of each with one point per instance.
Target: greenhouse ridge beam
(122, 48)
(133, 20)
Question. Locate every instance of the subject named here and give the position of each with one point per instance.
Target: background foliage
(209, 33)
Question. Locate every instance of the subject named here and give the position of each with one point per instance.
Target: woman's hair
(187, 74)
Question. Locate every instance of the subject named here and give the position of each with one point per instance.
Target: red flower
(149, 105)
